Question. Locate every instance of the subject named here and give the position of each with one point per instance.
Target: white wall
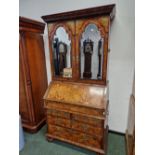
(121, 62)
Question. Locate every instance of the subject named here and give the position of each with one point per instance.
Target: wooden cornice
(77, 14)
(30, 25)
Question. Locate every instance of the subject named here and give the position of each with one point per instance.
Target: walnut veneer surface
(79, 94)
(77, 113)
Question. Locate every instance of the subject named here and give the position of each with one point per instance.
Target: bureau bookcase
(76, 101)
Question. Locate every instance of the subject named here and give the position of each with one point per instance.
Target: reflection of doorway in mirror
(92, 32)
(64, 37)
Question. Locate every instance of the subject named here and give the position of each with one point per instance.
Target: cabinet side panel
(37, 66)
(23, 109)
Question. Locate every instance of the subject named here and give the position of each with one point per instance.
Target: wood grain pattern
(23, 107)
(79, 124)
(83, 94)
(33, 76)
(30, 25)
(57, 113)
(75, 136)
(94, 121)
(74, 108)
(59, 121)
(86, 128)
(51, 137)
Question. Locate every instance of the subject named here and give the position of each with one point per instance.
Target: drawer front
(87, 140)
(88, 129)
(58, 113)
(88, 120)
(73, 108)
(55, 120)
(75, 136)
(60, 132)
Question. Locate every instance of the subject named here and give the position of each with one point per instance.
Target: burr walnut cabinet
(77, 113)
(32, 74)
(76, 100)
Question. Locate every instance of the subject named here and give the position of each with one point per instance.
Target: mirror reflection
(61, 51)
(91, 53)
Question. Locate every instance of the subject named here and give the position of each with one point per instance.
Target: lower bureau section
(77, 114)
(75, 138)
(86, 131)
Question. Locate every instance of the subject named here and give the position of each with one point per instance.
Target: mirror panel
(91, 53)
(61, 47)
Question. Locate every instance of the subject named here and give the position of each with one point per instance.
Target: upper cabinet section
(78, 42)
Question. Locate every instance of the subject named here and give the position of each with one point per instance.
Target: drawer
(54, 112)
(88, 129)
(89, 120)
(60, 132)
(75, 136)
(55, 120)
(87, 140)
(73, 108)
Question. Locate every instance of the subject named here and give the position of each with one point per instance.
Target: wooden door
(37, 68)
(23, 105)
(25, 91)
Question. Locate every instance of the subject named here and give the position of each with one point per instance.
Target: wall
(121, 62)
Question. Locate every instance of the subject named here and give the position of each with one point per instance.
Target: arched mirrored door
(61, 47)
(91, 53)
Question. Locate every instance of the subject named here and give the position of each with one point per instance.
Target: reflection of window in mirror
(61, 51)
(92, 33)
